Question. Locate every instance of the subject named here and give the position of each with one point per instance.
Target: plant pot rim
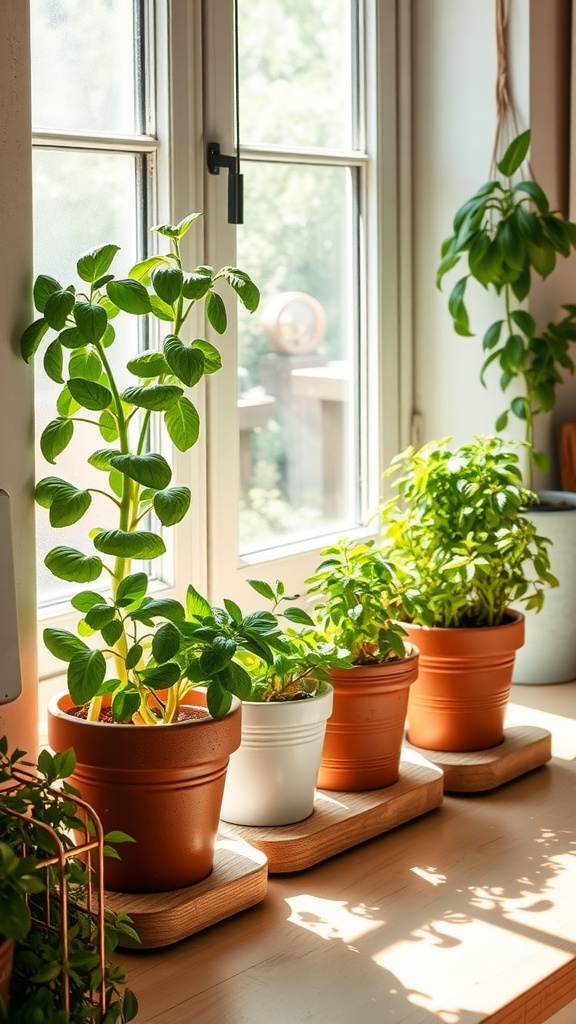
(57, 711)
(321, 694)
(513, 617)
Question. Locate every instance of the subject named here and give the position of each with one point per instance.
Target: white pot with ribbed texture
(549, 651)
(271, 777)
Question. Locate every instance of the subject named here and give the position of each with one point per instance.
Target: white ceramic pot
(271, 778)
(549, 651)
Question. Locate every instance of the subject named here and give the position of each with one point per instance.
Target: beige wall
(18, 720)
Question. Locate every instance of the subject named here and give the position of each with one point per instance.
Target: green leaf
(540, 460)
(212, 357)
(216, 312)
(165, 643)
(150, 470)
(156, 397)
(511, 244)
(57, 308)
(233, 610)
(85, 363)
(53, 362)
(161, 676)
(186, 363)
(108, 427)
(89, 394)
(62, 644)
(55, 437)
(100, 615)
(515, 154)
(218, 700)
(520, 407)
(86, 673)
(91, 320)
(196, 284)
(533, 190)
(149, 364)
(131, 589)
(31, 338)
(112, 632)
(133, 656)
(179, 230)
(514, 353)
(100, 459)
(129, 1005)
(73, 566)
(299, 616)
(502, 422)
(162, 608)
(161, 309)
(479, 259)
(524, 321)
(196, 605)
(141, 271)
(528, 225)
(129, 295)
(68, 505)
(122, 544)
(85, 600)
(71, 338)
(183, 424)
(167, 283)
(492, 336)
(244, 287)
(457, 308)
(172, 505)
(262, 588)
(94, 263)
(125, 704)
(44, 287)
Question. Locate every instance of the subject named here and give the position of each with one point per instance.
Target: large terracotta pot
(271, 778)
(6, 957)
(365, 733)
(459, 700)
(163, 785)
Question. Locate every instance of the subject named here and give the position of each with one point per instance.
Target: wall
(16, 426)
(454, 74)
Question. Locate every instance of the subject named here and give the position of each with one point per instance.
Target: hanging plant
(505, 233)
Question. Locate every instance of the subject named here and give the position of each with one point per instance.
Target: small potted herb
(271, 778)
(457, 529)
(357, 587)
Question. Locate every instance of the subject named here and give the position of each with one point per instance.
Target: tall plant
(155, 644)
(505, 233)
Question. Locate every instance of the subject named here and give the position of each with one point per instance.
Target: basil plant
(149, 650)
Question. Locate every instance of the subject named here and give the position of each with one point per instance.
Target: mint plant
(505, 233)
(154, 644)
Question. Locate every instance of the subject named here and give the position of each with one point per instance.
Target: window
(292, 426)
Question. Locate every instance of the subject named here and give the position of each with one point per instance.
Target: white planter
(271, 778)
(549, 651)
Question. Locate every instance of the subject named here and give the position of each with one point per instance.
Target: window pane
(81, 200)
(296, 72)
(297, 372)
(83, 62)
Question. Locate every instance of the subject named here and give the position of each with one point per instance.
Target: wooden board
(342, 820)
(524, 748)
(238, 880)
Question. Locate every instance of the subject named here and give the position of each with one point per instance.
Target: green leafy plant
(36, 818)
(301, 658)
(154, 644)
(359, 591)
(505, 233)
(456, 528)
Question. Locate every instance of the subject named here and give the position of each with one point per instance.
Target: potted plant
(505, 234)
(457, 529)
(356, 586)
(138, 657)
(48, 891)
(272, 776)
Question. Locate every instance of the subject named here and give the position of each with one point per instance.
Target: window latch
(216, 160)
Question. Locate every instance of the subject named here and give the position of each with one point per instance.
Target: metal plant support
(87, 845)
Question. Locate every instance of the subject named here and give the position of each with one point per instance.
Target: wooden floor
(465, 915)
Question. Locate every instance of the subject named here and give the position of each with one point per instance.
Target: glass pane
(297, 393)
(83, 60)
(296, 72)
(81, 200)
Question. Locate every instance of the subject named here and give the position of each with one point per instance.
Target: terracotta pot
(365, 733)
(163, 785)
(6, 957)
(271, 778)
(459, 700)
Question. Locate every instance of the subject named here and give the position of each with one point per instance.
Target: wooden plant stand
(524, 748)
(342, 820)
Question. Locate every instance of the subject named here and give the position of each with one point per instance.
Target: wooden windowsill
(465, 915)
